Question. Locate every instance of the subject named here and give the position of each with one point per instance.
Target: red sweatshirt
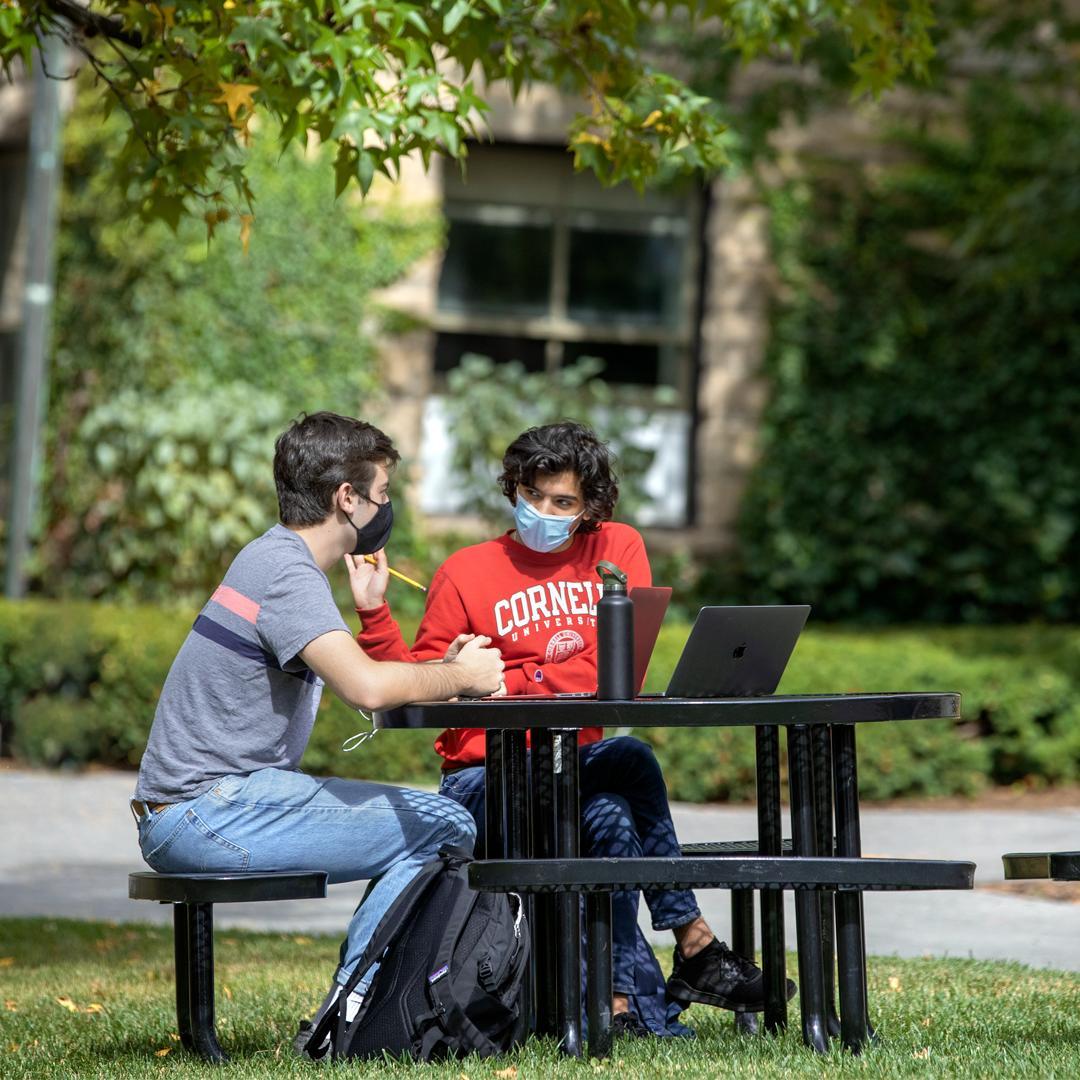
(538, 609)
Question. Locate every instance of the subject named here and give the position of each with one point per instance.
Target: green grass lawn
(96, 1000)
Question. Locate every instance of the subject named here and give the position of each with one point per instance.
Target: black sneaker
(717, 976)
(629, 1024)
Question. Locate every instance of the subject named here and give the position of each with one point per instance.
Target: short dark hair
(564, 447)
(317, 454)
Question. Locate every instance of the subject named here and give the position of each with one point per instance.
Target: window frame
(679, 213)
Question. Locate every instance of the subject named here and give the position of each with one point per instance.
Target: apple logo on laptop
(739, 651)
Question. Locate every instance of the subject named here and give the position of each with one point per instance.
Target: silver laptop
(737, 651)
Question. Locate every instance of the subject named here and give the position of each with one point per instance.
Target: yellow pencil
(402, 577)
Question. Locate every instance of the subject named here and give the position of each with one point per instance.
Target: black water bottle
(614, 637)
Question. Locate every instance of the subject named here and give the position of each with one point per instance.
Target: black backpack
(451, 964)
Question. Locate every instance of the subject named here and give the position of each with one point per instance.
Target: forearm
(368, 684)
(392, 683)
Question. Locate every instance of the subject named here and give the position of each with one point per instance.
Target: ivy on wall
(919, 450)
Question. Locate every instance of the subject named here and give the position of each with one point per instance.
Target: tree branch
(90, 23)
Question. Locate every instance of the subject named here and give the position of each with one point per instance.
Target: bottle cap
(613, 578)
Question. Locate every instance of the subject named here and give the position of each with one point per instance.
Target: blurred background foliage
(919, 449)
(917, 454)
(917, 457)
(177, 362)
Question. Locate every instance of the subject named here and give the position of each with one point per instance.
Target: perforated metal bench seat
(1052, 865)
(720, 872)
(194, 897)
(730, 847)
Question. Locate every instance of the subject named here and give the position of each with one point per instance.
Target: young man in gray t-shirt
(219, 788)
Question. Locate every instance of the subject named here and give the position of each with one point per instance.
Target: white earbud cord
(361, 737)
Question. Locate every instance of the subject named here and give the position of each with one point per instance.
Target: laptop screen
(650, 605)
(737, 651)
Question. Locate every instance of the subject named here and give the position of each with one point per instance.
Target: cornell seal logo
(563, 645)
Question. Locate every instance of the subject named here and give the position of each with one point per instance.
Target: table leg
(850, 942)
(807, 901)
(568, 904)
(771, 842)
(494, 796)
(823, 812)
(742, 942)
(518, 839)
(517, 795)
(544, 929)
(598, 972)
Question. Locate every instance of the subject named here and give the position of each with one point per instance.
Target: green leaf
(365, 170)
(344, 167)
(453, 17)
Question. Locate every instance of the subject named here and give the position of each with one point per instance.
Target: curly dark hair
(317, 454)
(564, 447)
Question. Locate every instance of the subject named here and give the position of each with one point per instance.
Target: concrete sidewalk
(67, 843)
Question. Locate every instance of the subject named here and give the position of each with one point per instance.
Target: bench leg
(771, 842)
(598, 972)
(850, 941)
(193, 926)
(807, 901)
(742, 942)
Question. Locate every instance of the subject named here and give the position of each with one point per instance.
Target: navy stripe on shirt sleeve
(229, 639)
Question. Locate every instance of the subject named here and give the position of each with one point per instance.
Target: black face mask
(376, 532)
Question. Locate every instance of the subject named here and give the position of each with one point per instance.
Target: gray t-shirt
(237, 697)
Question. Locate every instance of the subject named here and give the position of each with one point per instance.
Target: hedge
(78, 685)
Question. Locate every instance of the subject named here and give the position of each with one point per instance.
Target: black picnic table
(532, 812)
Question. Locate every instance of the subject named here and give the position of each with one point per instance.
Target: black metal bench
(1051, 865)
(194, 897)
(599, 878)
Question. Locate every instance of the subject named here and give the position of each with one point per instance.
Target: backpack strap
(381, 939)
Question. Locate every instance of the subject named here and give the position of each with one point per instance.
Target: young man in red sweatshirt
(533, 591)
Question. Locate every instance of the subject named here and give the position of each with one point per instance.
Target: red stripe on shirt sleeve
(236, 602)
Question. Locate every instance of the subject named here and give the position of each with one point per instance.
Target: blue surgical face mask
(542, 532)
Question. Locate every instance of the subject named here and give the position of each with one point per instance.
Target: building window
(544, 266)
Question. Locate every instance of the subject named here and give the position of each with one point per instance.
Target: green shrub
(79, 683)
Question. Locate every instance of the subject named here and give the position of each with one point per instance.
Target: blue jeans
(274, 819)
(624, 813)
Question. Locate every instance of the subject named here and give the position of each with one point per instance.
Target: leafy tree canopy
(385, 78)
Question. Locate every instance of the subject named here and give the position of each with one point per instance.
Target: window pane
(450, 348)
(496, 268)
(633, 277)
(638, 365)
